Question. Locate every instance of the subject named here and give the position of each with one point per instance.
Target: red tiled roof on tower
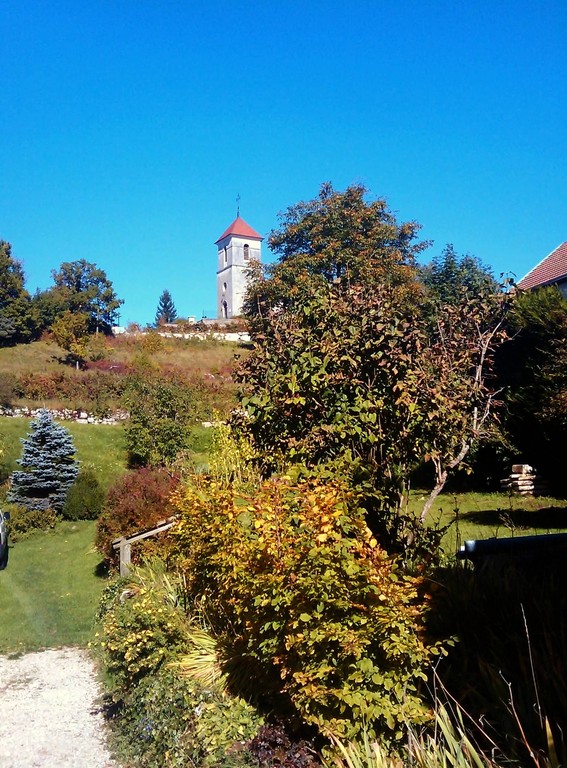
(241, 229)
(552, 269)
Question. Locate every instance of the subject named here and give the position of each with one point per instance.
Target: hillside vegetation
(38, 374)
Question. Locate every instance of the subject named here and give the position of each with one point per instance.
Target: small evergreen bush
(85, 498)
(49, 466)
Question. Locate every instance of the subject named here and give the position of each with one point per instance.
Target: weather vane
(238, 205)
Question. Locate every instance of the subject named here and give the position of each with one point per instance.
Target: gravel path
(48, 713)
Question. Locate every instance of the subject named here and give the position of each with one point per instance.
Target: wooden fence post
(125, 556)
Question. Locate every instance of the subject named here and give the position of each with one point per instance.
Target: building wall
(231, 273)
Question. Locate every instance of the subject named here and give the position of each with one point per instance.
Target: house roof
(241, 229)
(552, 269)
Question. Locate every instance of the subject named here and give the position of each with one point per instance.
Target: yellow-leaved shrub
(303, 599)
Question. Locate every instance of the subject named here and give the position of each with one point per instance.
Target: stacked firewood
(524, 481)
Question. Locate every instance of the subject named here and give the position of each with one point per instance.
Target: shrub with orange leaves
(301, 595)
(137, 500)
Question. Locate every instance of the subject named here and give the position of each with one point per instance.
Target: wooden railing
(124, 543)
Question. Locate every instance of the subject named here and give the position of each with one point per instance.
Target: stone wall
(66, 414)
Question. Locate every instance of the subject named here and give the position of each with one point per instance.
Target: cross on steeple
(238, 205)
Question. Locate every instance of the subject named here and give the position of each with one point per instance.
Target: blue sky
(129, 127)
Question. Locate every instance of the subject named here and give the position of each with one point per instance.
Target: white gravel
(48, 712)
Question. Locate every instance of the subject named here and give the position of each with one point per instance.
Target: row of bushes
(167, 700)
(278, 606)
(137, 500)
(281, 606)
(102, 390)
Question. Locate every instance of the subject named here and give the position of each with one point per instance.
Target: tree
(86, 289)
(17, 322)
(162, 411)
(338, 236)
(531, 369)
(354, 378)
(71, 332)
(349, 369)
(166, 312)
(48, 306)
(49, 466)
(451, 279)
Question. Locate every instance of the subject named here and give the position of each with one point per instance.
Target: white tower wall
(235, 253)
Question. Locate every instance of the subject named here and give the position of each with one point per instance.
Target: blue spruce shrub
(49, 467)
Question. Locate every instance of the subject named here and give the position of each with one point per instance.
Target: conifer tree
(166, 312)
(17, 323)
(49, 467)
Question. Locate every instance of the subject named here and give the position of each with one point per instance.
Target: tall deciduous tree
(352, 376)
(348, 368)
(338, 236)
(48, 464)
(166, 312)
(85, 288)
(48, 306)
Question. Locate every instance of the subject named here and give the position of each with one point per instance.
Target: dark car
(4, 517)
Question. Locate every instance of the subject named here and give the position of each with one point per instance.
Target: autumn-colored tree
(71, 332)
(355, 376)
(338, 236)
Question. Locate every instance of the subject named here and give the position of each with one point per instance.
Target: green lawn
(484, 515)
(100, 445)
(50, 590)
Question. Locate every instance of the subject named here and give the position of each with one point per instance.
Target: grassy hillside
(190, 355)
(37, 373)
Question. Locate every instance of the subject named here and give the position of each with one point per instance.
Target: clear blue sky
(130, 126)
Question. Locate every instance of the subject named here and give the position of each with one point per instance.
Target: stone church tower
(237, 246)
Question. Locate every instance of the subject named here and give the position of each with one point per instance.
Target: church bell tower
(237, 247)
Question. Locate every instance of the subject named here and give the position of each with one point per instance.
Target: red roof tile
(241, 229)
(551, 270)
